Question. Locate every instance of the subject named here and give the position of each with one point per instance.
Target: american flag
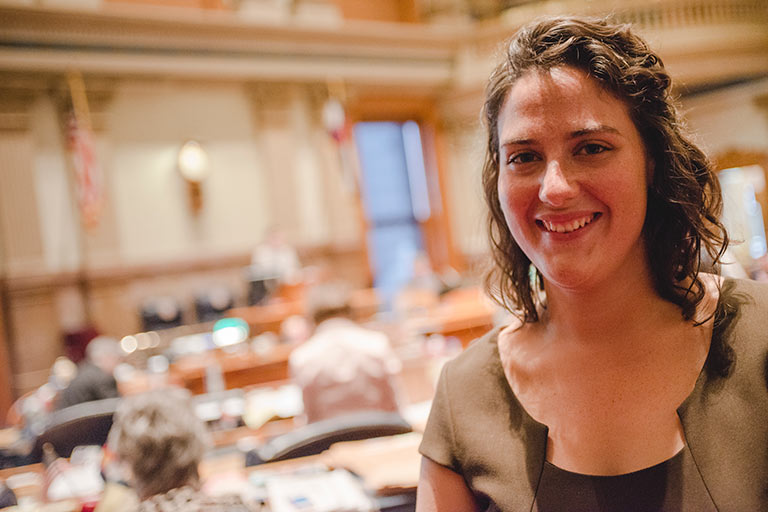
(88, 173)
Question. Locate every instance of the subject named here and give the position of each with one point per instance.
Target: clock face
(193, 162)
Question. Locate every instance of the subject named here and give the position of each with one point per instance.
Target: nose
(555, 188)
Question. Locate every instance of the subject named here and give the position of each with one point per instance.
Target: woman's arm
(442, 490)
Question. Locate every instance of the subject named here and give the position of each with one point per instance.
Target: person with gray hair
(161, 441)
(95, 378)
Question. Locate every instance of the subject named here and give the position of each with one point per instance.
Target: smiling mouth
(567, 227)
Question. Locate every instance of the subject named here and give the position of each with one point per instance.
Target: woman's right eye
(524, 157)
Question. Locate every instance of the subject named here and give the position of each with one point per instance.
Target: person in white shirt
(343, 367)
(276, 259)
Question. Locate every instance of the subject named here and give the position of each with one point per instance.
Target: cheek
(514, 204)
(628, 201)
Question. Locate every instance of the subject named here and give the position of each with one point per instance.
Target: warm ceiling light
(193, 162)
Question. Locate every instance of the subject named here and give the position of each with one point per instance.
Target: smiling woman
(684, 198)
(623, 386)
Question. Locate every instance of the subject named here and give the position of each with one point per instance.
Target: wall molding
(701, 40)
(34, 282)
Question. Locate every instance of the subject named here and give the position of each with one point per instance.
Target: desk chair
(160, 313)
(87, 423)
(320, 435)
(259, 289)
(211, 304)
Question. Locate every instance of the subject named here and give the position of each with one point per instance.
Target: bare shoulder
(441, 489)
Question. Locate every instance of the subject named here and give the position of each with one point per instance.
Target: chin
(568, 279)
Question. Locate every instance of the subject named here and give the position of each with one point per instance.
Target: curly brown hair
(684, 201)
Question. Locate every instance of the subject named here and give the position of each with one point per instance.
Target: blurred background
(152, 151)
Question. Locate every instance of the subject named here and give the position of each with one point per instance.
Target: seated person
(94, 379)
(31, 412)
(276, 258)
(161, 441)
(425, 287)
(343, 367)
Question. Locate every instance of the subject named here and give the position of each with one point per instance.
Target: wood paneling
(6, 379)
(19, 220)
(36, 337)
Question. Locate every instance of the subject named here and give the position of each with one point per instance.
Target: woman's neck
(628, 305)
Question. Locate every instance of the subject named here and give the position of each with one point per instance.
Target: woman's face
(572, 178)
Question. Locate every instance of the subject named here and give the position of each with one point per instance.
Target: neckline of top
(726, 284)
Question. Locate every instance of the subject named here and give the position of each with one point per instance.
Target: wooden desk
(465, 321)
(142, 382)
(387, 465)
(466, 324)
(238, 369)
(365, 303)
(230, 437)
(32, 475)
(267, 317)
(464, 313)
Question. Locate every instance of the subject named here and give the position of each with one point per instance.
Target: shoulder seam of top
(450, 413)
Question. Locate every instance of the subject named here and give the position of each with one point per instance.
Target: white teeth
(568, 226)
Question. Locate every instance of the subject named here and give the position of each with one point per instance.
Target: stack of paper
(332, 491)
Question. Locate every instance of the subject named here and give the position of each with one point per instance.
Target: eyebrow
(603, 128)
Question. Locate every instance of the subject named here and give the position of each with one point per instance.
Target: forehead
(557, 100)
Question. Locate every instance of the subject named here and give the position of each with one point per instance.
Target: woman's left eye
(592, 149)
